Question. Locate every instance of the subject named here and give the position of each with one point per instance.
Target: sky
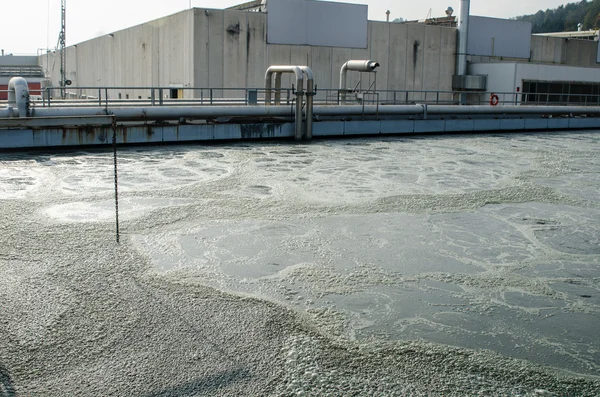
(29, 26)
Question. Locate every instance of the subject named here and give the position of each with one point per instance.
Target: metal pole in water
(114, 141)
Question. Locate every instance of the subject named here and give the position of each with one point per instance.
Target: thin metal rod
(114, 141)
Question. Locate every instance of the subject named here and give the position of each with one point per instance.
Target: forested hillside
(566, 18)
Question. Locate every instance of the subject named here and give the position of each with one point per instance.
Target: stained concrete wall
(228, 49)
(157, 53)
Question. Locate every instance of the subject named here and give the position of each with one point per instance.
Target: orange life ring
(494, 99)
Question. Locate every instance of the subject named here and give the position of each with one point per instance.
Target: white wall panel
(321, 23)
(499, 37)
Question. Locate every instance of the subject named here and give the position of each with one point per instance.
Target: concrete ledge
(91, 135)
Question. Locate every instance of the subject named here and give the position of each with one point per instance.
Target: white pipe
(299, 86)
(18, 95)
(165, 112)
(210, 112)
(359, 66)
(310, 94)
(463, 34)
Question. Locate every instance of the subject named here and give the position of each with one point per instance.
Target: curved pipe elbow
(18, 95)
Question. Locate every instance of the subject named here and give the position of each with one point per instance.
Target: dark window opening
(558, 92)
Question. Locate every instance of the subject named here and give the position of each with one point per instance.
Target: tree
(565, 18)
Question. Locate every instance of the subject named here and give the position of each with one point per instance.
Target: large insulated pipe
(299, 86)
(18, 95)
(463, 34)
(359, 66)
(210, 112)
(310, 94)
(163, 112)
(277, 88)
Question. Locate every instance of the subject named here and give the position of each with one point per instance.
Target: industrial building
(24, 66)
(229, 50)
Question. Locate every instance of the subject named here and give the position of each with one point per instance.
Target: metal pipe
(462, 44)
(299, 86)
(356, 65)
(277, 88)
(164, 112)
(403, 110)
(210, 112)
(18, 95)
(310, 81)
(463, 34)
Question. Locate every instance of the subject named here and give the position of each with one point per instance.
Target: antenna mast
(62, 39)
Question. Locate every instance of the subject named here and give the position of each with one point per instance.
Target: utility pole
(62, 40)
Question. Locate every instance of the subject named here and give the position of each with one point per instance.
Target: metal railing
(179, 96)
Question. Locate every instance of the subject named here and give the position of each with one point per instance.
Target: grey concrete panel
(380, 50)
(447, 64)
(573, 52)
(362, 127)
(415, 57)
(397, 57)
(194, 133)
(301, 55)
(280, 55)
(584, 123)
(201, 57)
(216, 52)
(512, 124)
(328, 128)
(486, 124)
(308, 22)
(363, 53)
(431, 58)
(235, 49)
(558, 123)
(225, 131)
(397, 126)
(499, 37)
(13, 139)
(326, 75)
(257, 49)
(430, 125)
(459, 125)
(538, 43)
(536, 124)
(339, 56)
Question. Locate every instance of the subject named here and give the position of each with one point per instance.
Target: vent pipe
(359, 66)
(463, 34)
(278, 69)
(18, 95)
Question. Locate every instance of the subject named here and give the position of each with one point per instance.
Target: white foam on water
(426, 266)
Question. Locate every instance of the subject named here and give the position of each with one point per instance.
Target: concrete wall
(555, 50)
(157, 53)
(228, 49)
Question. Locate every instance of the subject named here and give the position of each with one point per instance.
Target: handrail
(207, 96)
